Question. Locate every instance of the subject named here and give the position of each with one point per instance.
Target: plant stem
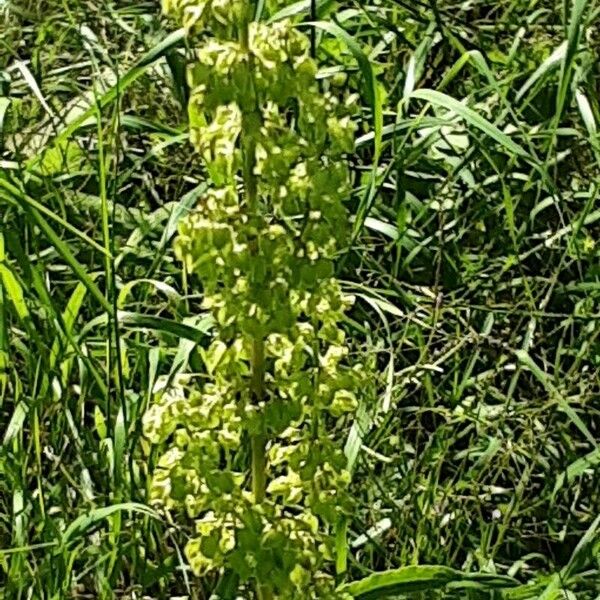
(258, 440)
(257, 444)
(264, 593)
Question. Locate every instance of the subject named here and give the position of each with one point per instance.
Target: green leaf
(546, 67)
(577, 468)
(421, 578)
(14, 291)
(139, 68)
(530, 364)
(298, 8)
(472, 118)
(568, 62)
(133, 320)
(182, 207)
(83, 523)
(19, 198)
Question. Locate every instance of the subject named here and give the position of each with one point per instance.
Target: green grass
(475, 263)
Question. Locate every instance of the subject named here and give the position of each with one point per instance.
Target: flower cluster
(251, 455)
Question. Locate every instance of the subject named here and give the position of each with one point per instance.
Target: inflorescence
(251, 456)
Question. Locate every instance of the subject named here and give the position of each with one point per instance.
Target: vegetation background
(475, 262)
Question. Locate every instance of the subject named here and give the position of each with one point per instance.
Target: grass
(475, 264)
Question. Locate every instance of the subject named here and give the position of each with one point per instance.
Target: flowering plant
(251, 456)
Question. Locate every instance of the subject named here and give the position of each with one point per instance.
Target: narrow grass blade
(298, 8)
(82, 524)
(133, 320)
(14, 291)
(472, 118)
(590, 461)
(32, 83)
(407, 580)
(172, 40)
(568, 62)
(547, 66)
(21, 197)
(529, 363)
(63, 249)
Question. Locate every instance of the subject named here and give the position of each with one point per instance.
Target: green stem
(259, 463)
(257, 441)
(263, 593)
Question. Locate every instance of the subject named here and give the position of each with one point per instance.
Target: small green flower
(262, 241)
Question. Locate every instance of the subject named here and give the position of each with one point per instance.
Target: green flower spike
(262, 241)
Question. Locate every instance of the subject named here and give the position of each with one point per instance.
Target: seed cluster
(262, 241)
